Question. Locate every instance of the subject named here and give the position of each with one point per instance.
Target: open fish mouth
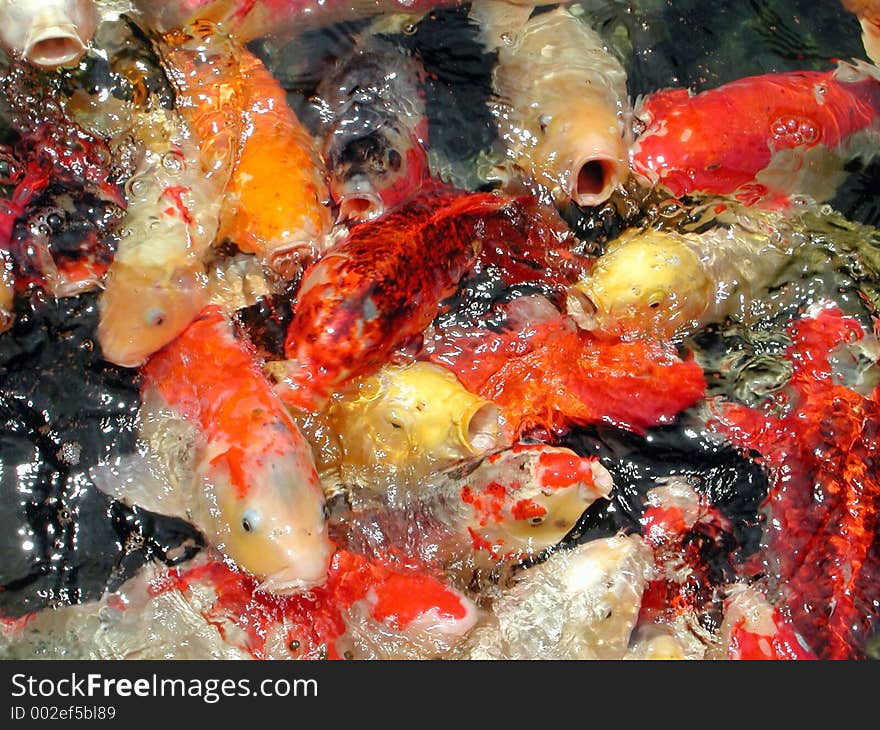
(593, 179)
(359, 201)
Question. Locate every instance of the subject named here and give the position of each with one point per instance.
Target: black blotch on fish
(733, 484)
(62, 410)
(265, 323)
(77, 227)
(480, 300)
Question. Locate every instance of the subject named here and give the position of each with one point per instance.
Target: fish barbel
(254, 490)
(378, 287)
(761, 139)
(375, 129)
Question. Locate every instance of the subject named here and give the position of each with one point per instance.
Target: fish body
(411, 420)
(761, 139)
(261, 500)
(868, 13)
(477, 518)
(561, 101)
(65, 199)
(157, 283)
(242, 119)
(250, 19)
(548, 376)
(668, 284)
(377, 288)
(816, 436)
(210, 609)
(753, 630)
(581, 603)
(374, 130)
(48, 33)
(524, 499)
(7, 291)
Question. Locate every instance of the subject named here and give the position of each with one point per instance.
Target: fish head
(406, 414)
(275, 529)
(49, 33)
(143, 308)
(374, 172)
(650, 282)
(529, 497)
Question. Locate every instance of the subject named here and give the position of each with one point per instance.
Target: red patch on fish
(823, 454)
(783, 644)
(213, 379)
(558, 469)
(719, 141)
(552, 376)
(314, 621)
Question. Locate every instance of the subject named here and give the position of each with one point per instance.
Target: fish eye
(394, 160)
(155, 317)
(536, 521)
(250, 520)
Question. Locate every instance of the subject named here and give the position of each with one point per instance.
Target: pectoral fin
(138, 480)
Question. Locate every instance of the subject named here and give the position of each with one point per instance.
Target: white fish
(579, 604)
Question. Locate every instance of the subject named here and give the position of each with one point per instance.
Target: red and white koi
(254, 490)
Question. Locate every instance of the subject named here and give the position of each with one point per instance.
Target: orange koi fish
(274, 201)
(761, 139)
(377, 288)
(254, 492)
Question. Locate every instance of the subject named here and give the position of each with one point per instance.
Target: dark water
(62, 408)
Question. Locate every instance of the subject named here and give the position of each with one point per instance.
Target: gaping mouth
(54, 45)
(360, 206)
(593, 179)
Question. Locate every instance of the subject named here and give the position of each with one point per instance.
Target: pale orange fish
(274, 203)
(252, 487)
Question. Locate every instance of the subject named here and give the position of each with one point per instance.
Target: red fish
(315, 624)
(551, 376)
(257, 495)
(761, 139)
(378, 288)
(823, 454)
